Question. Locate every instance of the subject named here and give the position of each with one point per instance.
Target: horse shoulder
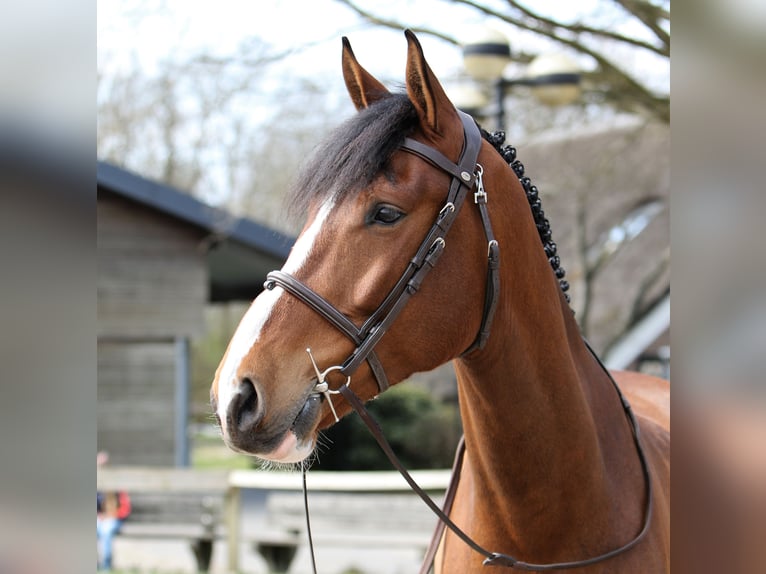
(649, 396)
(650, 400)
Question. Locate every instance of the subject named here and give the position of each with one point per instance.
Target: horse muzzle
(247, 431)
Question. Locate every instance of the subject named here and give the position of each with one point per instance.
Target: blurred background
(224, 104)
(204, 113)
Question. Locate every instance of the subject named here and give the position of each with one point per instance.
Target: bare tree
(194, 124)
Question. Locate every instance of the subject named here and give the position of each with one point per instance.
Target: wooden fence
(344, 507)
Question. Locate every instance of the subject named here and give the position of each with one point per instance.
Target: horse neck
(546, 436)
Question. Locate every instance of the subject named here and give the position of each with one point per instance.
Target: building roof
(240, 250)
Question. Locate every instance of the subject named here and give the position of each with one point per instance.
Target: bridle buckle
(480, 196)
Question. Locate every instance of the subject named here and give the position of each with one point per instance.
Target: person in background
(112, 508)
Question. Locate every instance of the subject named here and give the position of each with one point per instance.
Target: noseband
(465, 175)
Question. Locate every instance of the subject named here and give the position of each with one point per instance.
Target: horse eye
(383, 214)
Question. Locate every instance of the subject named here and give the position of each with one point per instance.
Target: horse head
(372, 193)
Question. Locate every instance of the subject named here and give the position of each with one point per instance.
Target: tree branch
(650, 15)
(388, 23)
(616, 78)
(621, 88)
(640, 304)
(581, 28)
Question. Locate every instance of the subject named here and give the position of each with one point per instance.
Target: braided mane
(508, 153)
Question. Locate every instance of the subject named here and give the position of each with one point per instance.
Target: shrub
(422, 431)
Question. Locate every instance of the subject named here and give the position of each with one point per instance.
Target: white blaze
(249, 328)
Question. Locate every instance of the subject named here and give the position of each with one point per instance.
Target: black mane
(360, 148)
(508, 152)
(355, 152)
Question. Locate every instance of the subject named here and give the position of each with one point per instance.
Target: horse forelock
(354, 153)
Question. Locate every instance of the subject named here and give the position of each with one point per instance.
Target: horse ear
(363, 88)
(424, 90)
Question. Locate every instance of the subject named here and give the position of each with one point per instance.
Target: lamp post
(553, 78)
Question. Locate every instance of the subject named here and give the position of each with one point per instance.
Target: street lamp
(553, 78)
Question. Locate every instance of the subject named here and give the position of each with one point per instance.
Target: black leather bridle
(466, 174)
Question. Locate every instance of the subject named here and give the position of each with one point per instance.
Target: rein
(466, 175)
(498, 558)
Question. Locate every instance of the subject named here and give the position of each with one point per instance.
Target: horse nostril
(244, 412)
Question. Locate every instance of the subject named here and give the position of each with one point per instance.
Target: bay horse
(553, 472)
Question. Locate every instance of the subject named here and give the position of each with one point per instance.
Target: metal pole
(182, 384)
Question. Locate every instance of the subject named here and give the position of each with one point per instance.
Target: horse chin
(290, 450)
(299, 440)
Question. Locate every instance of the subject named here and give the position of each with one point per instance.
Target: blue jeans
(106, 528)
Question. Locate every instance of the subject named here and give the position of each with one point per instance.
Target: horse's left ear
(434, 108)
(363, 88)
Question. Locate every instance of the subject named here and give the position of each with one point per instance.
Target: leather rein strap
(498, 558)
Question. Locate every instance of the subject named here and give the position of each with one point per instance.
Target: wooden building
(162, 256)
